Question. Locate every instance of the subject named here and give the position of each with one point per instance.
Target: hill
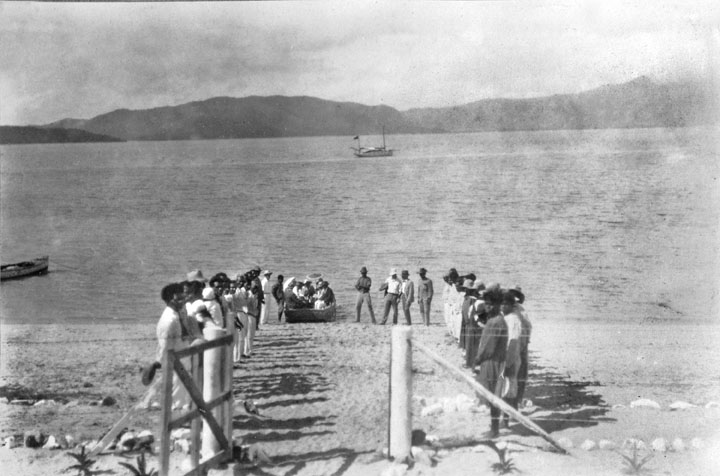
(254, 116)
(638, 103)
(40, 135)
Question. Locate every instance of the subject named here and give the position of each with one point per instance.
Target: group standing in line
(494, 332)
(396, 292)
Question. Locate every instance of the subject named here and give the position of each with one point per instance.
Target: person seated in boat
(324, 297)
(292, 299)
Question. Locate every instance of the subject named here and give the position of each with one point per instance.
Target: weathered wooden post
(213, 371)
(228, 381)
(168, 361)
(400, 393)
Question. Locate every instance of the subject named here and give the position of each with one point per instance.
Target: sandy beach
(322, 392)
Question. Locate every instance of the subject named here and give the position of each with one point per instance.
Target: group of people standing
(493, 329)
(396, 292)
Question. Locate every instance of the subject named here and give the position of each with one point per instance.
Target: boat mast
(383, 129)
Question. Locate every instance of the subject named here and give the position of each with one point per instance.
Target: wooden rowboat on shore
(25, 268)
(310, 315)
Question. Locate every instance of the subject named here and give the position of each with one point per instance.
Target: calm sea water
(596, 225)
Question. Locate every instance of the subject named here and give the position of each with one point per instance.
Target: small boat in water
(310, 315)
(25, 268)
(372, 151)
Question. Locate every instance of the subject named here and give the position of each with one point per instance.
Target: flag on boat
(356, 137)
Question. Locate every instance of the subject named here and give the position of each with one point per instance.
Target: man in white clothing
(408, 295)
(171, 335)
(392, 287)
(265, 286)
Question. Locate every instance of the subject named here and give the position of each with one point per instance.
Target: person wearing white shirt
(171, 336)
(393, 288)
(407, 294)
(265, 286)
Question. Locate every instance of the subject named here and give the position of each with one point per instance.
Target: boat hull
(375, 153)
(24, 269)
(310, 315)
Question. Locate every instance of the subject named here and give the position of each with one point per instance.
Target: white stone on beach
(395, 470)
(434, 409)
(645, 403)
(421, 456)
(45, 403)
(11, 442)
(678, 444)
(631, 443)
(659, 445)
(565, 442)
(431, 438)
(180, 434)
(70, 441)
(128, 440)
(606, 445)
(51, 443)
(679, 405)
(697, 444)
(588, 445)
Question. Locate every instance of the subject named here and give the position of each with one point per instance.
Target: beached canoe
(24, 268)
(310, 315)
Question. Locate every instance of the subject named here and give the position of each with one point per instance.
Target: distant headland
(40, 135)
(637, 103)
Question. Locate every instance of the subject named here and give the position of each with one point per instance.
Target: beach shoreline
(322, 392)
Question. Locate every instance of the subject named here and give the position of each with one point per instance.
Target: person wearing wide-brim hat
(425, 293)
(393, 288)
(195, 275)
(407, 295)
(492, 352)
(466, 286)
(363, 285)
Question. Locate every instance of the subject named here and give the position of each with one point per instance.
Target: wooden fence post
(168, 361)
(213, 376)
(401, 393)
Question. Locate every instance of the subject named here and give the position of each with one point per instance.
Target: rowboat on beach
(25, 268)
(310, 315)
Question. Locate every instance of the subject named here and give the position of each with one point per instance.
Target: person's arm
(431, 291)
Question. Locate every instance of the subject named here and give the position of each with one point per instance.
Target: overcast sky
(80, 60)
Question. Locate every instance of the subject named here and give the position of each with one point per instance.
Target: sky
(78, 60)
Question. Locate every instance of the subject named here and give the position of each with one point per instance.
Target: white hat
(208, 294)
(196, 275)
(393, 271)
(267, 272)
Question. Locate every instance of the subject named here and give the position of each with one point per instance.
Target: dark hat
(508, 297)
(405, 273)
(517, 292)
(422, 271)
(363, 270)
(257, 268)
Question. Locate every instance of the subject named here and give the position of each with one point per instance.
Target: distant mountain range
(638, 103)
(39, 135)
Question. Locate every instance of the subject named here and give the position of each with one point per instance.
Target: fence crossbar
(195, 413)
(491, 397)
(202, 407)
(197, 348)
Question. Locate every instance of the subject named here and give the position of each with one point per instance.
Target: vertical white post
(401, 393)
(212, 384)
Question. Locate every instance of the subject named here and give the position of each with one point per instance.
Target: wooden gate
(211, 374)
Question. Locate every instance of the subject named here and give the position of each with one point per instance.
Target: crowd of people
(493, 329)
(489, 322)
(304, 295)
(395, 292)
